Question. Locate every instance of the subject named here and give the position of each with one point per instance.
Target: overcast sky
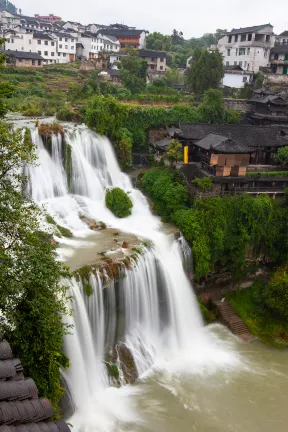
(193, 18)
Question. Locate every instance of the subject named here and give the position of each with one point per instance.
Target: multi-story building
(127, 36)
(279, 59)
(46, 47)
(65, 47)
(51, 18)
(157, 60)
(74, 26)
(247, 47)
(282, 39)
(8, 21)
(89, 45)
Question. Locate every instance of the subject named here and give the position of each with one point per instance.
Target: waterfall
(152, 310)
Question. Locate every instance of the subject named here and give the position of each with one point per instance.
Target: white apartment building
(89, 45)
(46, 47)
(8, 21)
(247, 47)
(66, 47)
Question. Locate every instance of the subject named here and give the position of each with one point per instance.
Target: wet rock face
(127, 364)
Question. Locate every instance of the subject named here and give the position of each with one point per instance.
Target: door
(285, 70)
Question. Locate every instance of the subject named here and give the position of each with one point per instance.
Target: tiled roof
(22, 55)
(21, 410)
(280, 49)
(249, 135)
(150, 53)
(223, 144)
(40, 35)
(249, 29)
(121, 32)
(285, 33)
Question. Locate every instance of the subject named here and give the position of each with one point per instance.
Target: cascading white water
(162, 322)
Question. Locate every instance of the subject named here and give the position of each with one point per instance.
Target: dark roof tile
(285, 33)
(22, 55)
(280, 49)
(150, 53)
(249, 135)
(249, 29)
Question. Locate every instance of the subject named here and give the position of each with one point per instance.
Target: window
(60, 39)
(162, 60)
(52, 43)
(33, 62)
(229, 39)
(72, 48)
(267, 38)
(244, 79)
(66, 40)
(266, 52)
(39, 42)
(161, 67)
(51, 61)
(236, 38)
(245, 64)
(152, 67)
(12, 40)
(248, 51)
(60, 46)
(228, 52)
(59, 54)
(45, 42)
(227, 63)
(235, 63)
(46, 53)
(30, 42)
(243, 38)
(39, 52)
(52, 54)
(64, 54)
(242, 51)
(240, 64)
(249, 37)
(236, 51)
(39, 62)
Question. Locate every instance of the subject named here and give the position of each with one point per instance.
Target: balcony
(248, 44)
(279, 62)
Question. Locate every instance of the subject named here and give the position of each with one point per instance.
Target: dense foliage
(221, 231)
(118, 202)
(5, 89)
(205, 72)
(31, 299)
(261, 321)
(282, 156)
(133, 72)
(108, 117)
(6, 5)
(276, 293)
(174, 151)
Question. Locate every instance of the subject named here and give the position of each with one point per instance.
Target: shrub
(65, 232)
(276, 293)
(65, 114)
(118, 202)
(282, 155)
(33, 112)
(205, 184)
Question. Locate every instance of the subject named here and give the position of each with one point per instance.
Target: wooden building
(222, 155)
(269, 109)
(264, 141)
(23, 59)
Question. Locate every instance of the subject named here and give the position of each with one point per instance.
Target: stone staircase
(232, 320)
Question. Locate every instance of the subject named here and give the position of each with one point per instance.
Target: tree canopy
(282, 156)
(5, 89)
(206, 71)
(133, 72)
(31, 299)
(174, 151)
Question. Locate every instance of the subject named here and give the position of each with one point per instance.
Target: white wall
(235, 80)
(66, 47)
(142, 40)
(256, 53)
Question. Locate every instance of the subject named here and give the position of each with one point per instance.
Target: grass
(268, 328)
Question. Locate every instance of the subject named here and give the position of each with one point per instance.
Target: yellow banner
(186, 156)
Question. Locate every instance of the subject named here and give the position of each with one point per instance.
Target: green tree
(173, 76)
(282, 156)
(5, 89)
(206, 71)
(157, 41)
(205, 183)
(174, 152)
(31, 299)
(212, 108)
(276, 293)
(118, 202)
(133, 72)
(177, 37)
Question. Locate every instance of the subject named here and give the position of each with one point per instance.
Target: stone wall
(240, 105)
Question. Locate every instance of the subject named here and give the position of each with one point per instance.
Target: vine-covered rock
(118, 202)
